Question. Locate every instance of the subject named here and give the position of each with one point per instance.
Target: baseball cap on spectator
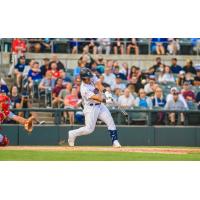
(174, 89)
(118, 76)
(152, 77)
(182, 72)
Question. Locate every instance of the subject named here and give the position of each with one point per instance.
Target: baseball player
(6, 113)
(94, 108)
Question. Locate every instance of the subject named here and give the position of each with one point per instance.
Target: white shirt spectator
(148, 89)
(167, 77)
(180, 97)
(124, 101)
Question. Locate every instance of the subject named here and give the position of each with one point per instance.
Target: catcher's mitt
(28, 126)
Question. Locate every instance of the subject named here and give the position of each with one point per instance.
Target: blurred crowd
(160, 86)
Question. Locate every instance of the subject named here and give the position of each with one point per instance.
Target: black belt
(94, 104)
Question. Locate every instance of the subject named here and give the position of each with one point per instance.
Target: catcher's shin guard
(113, 135)
(4, 141)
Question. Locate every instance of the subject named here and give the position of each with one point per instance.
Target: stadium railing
(148, 116)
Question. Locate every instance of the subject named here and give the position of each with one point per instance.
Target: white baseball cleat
(71, 139)
(116, 144)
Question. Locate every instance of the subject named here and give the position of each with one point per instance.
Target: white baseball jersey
(88, 90)
(91, 111)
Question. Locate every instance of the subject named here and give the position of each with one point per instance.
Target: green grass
(31, 155)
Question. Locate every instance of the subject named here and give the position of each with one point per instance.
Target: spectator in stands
(116, 72)
(173, 46)
(157, 45)
(124, 70)
(188, 94)
(189, 77)
(77, 83)
(126, 100)
(46, 85)
(18, 48)
(198, 100)
(75, 45)
(56, 90)
(180, 96)
(175, 104)
(132, 89)
(71, 101)
(26, 103)
(158, 64)
(196, 45)
(19, 68)
(136, 83)
(54, 70)
(151, 86)
(77, 69)
(34, 76)
(64, 92)
(159, 102)
(55, 59)
(181, 78)
(118, 46)
(3, 87)
(90, 46)
(104, 44)
(40, 44)
(65, 77)
(45, 67)
(109, 77)
(166, 76)
(100, 65)
(117, 93)
(174, 67)
(142, 100)
(28, 67)
(15, 99)
(118, 83)
(132, 72)
(189, 67)
(197, 77)
(132, 45)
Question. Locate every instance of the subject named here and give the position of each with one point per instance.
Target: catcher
(6, 113)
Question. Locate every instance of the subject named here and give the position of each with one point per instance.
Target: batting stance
(6, 113)
(94, 108)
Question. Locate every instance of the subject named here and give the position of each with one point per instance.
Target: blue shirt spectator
(34, 75)
(174, 67)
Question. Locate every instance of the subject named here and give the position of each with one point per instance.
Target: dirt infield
(163, 150)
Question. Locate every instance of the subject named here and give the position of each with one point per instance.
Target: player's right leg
(106, 117)
(91, 116)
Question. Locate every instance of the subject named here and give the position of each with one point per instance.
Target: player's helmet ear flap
(85, 73)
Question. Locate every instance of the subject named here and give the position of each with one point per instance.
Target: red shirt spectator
(189, 95)
(55, 74)
(18, 46)
(72, 100)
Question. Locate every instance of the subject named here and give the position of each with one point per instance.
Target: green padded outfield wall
(129, 136)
